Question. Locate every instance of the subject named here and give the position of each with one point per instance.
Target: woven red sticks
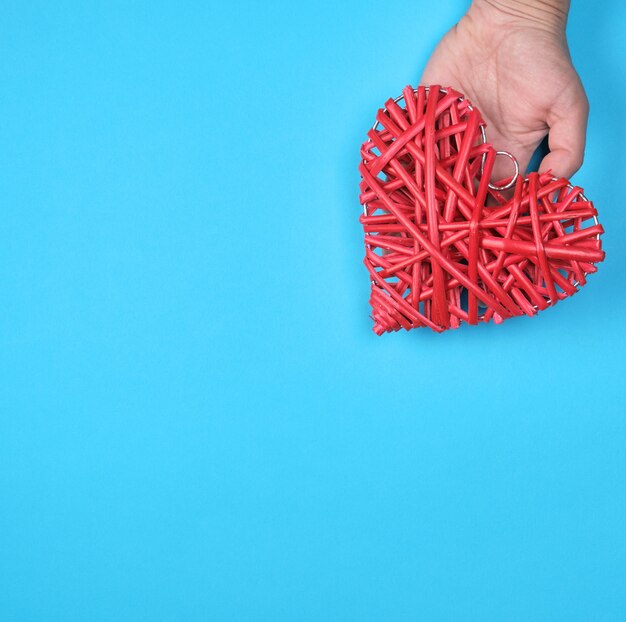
(442, 244)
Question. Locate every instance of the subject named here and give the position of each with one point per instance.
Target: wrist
(548, 15)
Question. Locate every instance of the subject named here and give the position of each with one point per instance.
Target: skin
(511, 59)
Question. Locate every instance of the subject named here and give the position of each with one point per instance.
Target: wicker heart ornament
(442, 244)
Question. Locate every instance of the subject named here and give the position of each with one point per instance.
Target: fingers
(566, 138)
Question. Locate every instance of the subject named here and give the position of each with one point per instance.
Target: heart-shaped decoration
(443, 245)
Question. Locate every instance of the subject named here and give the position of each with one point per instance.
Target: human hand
(510, 58)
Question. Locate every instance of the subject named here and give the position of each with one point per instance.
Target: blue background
(197, 421)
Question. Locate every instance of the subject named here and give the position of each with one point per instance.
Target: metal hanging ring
(515, 176)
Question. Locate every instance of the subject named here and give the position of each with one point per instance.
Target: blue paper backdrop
(196, 420)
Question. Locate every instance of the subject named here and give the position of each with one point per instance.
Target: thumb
(566, 138)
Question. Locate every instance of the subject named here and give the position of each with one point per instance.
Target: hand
(512, 61)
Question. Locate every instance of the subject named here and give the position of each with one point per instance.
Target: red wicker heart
(443, 245)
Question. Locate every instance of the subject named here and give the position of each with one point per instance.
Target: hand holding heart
(511, 60)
